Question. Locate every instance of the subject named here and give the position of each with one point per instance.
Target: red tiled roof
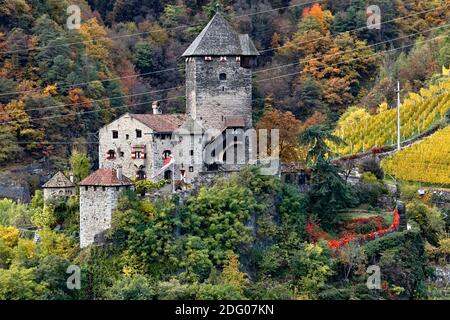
(105, 177)
(234, 122)
(161, 122)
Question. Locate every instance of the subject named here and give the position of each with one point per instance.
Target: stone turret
(99, 194)
(219, 75)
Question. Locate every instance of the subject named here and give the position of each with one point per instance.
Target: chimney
(155, 107)
(119, 173)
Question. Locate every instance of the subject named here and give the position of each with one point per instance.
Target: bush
(332, 293)
(269, 289)
(370, 189)
(372, 165)
(136, 287)
(430, 220)
(401, 257)
(15, 214)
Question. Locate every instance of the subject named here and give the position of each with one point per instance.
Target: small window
(115, 134)
(166, 153)
(86, 188)
(138, 154)
(121, 154)
(103, 188)
(223, 76)
(191, 152)
(127, 136)
(168, 175)
(95, 188)
(111, 155)
(138, 134)
(191, 169)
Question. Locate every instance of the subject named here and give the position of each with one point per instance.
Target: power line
(182, 69)
(153, 31)
(353, 50)
(105, 99)
(362, 28)
(256, 72)
(261, 80)
(354, 59)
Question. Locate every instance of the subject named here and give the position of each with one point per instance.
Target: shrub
(372, 165)
(430, 220)
(136, 287)
(370, 189)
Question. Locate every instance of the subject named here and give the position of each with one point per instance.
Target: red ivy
(337, 244)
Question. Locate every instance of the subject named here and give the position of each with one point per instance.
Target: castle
(218, 97)
(218, 111)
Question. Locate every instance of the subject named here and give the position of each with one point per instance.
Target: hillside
(59, 86)
(427, 161)
(362, 131)
(138, 204)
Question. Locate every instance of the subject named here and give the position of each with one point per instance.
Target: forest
(325, 79)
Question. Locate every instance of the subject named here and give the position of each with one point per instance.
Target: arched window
(111, 155)
(223, 76)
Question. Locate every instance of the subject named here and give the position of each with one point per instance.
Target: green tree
(20, 284)
(136, 287)
(430, 220)
(317, 139)
(44, 218)
(143, 57)
(80, 165)
(311, 266)
(329, 192)
(9, 147)
(52, 271)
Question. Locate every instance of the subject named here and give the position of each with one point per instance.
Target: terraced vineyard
(427, 161)
(362, 131)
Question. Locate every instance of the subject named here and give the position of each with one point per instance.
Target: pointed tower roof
(59, 180)
(218, 38)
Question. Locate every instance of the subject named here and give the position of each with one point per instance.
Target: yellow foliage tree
(9, 236)
(97, 42)
(231, 274)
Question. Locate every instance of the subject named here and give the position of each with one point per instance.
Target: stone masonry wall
(58, 193)
(125, 125)
(210, 99)
(96, 207)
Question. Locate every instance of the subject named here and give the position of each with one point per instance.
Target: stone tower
(99, 194)
(219, 75)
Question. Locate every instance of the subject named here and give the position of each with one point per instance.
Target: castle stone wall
(209, 99)
(58, 193)
(126, 126)
(96, 207)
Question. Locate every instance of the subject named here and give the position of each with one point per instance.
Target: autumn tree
(289, 128)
